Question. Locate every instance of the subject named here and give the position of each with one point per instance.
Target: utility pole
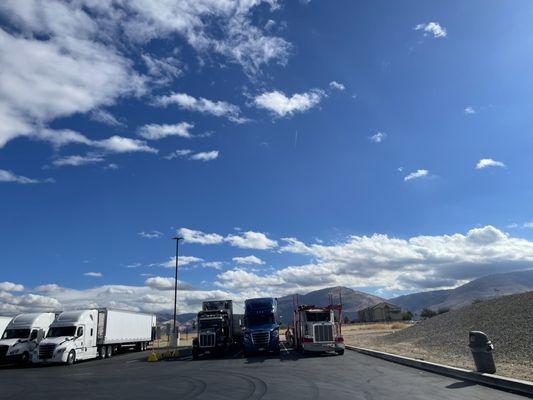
(175, 333)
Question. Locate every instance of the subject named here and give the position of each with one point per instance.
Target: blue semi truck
(261, 326)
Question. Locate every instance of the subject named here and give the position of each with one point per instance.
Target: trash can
(481, 348)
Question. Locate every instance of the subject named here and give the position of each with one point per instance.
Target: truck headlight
(61, 349)
(275, 333)
(14, 351)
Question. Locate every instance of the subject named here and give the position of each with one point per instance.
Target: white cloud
(416, 263)
(469, 110)
(80, 51)
(76, 161)
(202, 105)
(378, 137)
(251, 240)
(245, 240)
(8, 176)
(213, 264)
(282, 105)
(11, 287)
(489, 162)
(337, 86)
(432, 28)
(156, 131)
(420, 173)
(183, 260)
(199, 237)
(119, 144)
(205, 156)
(105, 117)
(93, 274)
(248, 260)
(151, 234)
(528, 225)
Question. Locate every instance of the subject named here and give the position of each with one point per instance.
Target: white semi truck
(85, 334)
(4, 321)
(22, 335)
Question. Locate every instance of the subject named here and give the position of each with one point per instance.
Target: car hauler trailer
(22, 335)
(86, 334)
(314, 329)
(261, 326)
(218, 328)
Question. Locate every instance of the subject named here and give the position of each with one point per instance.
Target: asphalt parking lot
(288, 376)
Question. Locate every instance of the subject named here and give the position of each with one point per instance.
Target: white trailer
(4, 321)
(86, 334)
(22, 335)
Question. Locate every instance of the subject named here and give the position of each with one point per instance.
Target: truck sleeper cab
(22, 335)
(316, 330)
(261, 326)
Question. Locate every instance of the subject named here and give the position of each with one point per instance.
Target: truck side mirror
(40, 336)
(33, 335)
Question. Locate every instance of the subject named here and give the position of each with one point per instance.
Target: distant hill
(487, 287)
(352, 301)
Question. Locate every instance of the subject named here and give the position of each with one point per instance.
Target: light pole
(175, 333)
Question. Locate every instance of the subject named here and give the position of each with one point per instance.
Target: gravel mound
(507, 320)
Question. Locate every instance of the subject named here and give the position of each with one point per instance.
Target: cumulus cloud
(244, 240)
(80, 58)
(156, 131)
(432, 28)
(336, 86)
(11, 287)
(202, 105)
(248, 260)
(183, 260)
(420, 173)
(93, 274)
(416, 263)
(9, 176)
(489, 162)
(282, 105)
(251, 240)
(205, 156)
(378, 137)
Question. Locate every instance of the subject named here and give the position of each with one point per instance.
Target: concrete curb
(496, 381)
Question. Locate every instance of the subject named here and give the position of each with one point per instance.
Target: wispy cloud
(282, 105)
(105, 117)
(9, 176)
(156, 131)
(202, 105)
(76, 160)
(378, 137)
(151, 234)
(469, 110)
(489, 162)
(248, 260)
(200, 156)
(244, 240)
(420, 173)
(432, 28)
(93, 274)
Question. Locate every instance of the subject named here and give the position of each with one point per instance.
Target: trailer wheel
(109, 351)
(71, 359)
(340, 352)
(139, 346)
(101, 352)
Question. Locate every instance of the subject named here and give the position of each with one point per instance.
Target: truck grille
(3, 351)
(46, 351)
(207, 339)
(323, 333)
(261, 338)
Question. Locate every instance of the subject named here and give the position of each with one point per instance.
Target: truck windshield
(16, 334)
(317, 316)
(209, 324)
(252, 320)
(58, 331)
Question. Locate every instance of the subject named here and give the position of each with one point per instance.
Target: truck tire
(194, 354)
(340, 352)
(25, 358)
(109, 351)
(139, 346)
(71, 358)
(101, 352)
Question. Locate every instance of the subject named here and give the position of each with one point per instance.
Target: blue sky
(382, 146)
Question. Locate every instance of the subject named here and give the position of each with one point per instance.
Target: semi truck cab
(71, 337)
(261, 326)
(22, 336)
